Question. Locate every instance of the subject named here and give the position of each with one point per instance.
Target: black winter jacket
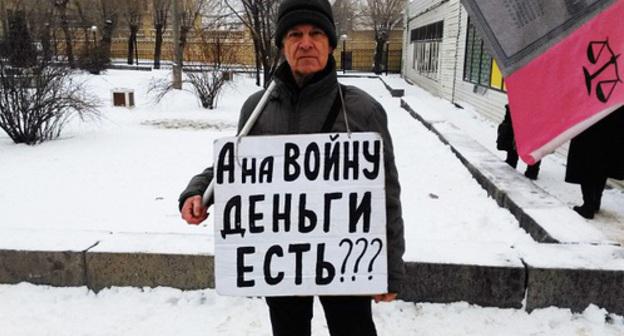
(294, 110)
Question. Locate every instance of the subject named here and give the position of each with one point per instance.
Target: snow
(124, 173)
(609, 220)
(39, 310)
(116, 181)
(566, 256)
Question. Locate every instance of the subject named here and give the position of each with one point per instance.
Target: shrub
(94, 60)
(37, 102)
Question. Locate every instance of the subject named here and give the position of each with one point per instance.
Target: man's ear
(331, 50)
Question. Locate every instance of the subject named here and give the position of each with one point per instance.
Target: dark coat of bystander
(598, 151)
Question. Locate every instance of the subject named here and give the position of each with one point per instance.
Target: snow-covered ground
(609, 220)
(124, 173)
(38, 310)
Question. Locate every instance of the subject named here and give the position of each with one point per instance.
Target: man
(308, 99)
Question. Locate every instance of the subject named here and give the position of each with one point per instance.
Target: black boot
(588, 209)
(532, 171)
(512, 158)
(600, 186)
(585, 211)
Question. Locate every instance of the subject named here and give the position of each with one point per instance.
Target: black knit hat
(315, 12)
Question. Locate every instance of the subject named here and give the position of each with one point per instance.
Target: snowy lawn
(39, 310)
(125, 172)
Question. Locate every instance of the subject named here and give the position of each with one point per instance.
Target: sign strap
(333, 113)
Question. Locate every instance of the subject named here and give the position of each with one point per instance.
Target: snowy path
(610, 220)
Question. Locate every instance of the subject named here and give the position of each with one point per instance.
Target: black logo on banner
(606, 77)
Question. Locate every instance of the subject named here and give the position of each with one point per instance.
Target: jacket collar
(320, 84)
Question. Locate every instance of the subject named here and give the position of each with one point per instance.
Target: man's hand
(388, 297)
(193, 211)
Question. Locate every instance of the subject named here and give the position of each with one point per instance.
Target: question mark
(370, 265)
(344, 263)
(357, 261)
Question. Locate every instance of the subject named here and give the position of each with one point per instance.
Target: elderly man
(308, 99)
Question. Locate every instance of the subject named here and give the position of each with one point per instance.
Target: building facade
(444, 54)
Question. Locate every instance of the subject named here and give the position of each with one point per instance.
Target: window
(426, 49)
(479, 67)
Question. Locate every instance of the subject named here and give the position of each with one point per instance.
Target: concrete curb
(97, 270)
(397, 93)
(575, 289)
(148, 270)
(492, 286)
(573, 286)
(486, 285)
(52, 268)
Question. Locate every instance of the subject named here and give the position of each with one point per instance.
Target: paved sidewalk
(594, 267)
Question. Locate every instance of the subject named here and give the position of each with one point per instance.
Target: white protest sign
(300, 215)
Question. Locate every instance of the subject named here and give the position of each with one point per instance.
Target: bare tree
(218, 57)
(161, 14)
(92, 56)
(61, 7)
(384, 15)
(35, 105)
(37, 100)
(86, 19)
(185, 14)
(344, 15)
(108, 17)
(190, 11)
(260, 16)
(132, 14)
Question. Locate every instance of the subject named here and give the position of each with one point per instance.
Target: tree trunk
(107, 40)
(379, 52)
(85, 33)
(132, 42)
(183, 36)
(266, 66)
(258, 64)
(3, 17)
(45, 43)
(69, 51)
(178, 53)
(158, 46)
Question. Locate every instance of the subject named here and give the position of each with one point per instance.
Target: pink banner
(569, 87)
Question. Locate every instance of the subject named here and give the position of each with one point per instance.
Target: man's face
(306, 48)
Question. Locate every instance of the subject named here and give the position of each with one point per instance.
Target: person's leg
(600, 186)
(290, 315)
(349, 315)
(587, 209)
(532, 170)
(512, 158)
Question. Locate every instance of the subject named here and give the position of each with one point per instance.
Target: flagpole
(208, 194)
